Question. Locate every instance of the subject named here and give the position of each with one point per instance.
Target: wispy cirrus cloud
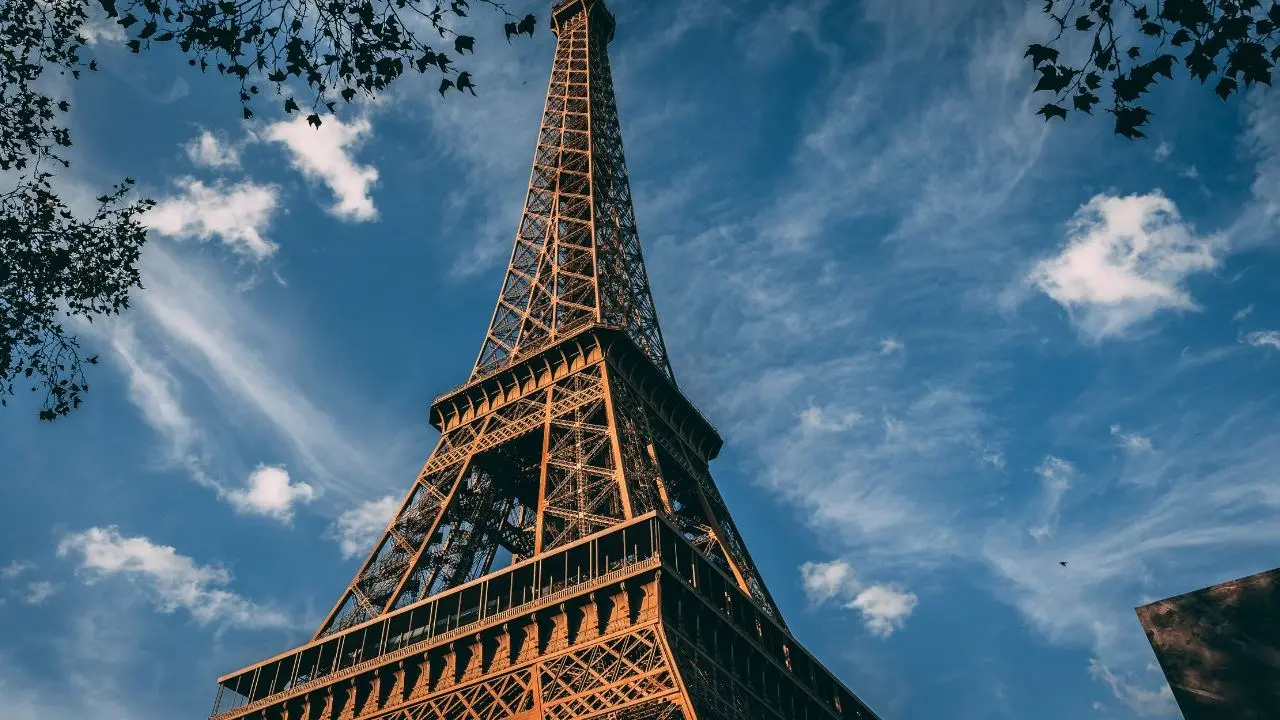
(1056, 476)
(212, 335)
(1264, 339)
(1131, 442)
(15, 569)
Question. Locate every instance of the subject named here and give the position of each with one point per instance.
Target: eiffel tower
(564, 553)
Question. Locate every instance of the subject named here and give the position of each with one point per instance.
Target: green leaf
(1181, 37)
(127, 20)
(248, 113)
(1225, 87)
(1129, 119)
(1134, 53)
(464, 43)
(526, 25)
(445, 84)
(134, 45)
(109, 6)
(1152, 29)
(1052, 79)
(1093, 80)
(1162, 65)
(1083, 23)
(313, 120)
(164, 37)
(1200, 63)
(1051, 111)
(348, 93)
(1039, 54)
(277, 76)
(148, 29)
(290, 106)
(1085, 100)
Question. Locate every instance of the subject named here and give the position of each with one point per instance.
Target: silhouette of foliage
(1233, 43)
(55, 264)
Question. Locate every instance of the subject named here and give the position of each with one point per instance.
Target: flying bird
(1063, 563)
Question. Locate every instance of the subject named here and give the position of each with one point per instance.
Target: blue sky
(948, 347)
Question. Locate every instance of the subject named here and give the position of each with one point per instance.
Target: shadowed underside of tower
(564, 553)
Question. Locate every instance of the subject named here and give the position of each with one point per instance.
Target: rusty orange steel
(564, 552)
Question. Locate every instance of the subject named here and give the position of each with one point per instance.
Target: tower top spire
(598, 16)
(576, 261)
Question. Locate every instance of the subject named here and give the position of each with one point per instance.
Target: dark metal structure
(1219, 648)
(564, 553)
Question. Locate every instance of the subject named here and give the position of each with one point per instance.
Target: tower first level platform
(631, 623)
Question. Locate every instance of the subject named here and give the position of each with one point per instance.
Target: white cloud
(1132, 442)
(39, 591)
(236, 215)
(1126, 259)
(1055, 475)
(1242, 313)
(993, 457)
(270, 493)
(828, 420)
(884, 608)
(173, 581)
(889, 345)
(324, 154)
(825, 581)
(1163, 151)
(1264, 338)
(360, 527)
(1158, 702)
(208, 150)
(15, 568)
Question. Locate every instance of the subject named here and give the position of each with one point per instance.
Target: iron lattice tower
(564, 553)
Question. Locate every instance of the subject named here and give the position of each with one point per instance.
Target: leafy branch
(338, 48)
(1232, 42)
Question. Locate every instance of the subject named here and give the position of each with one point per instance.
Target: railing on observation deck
(647, 542)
